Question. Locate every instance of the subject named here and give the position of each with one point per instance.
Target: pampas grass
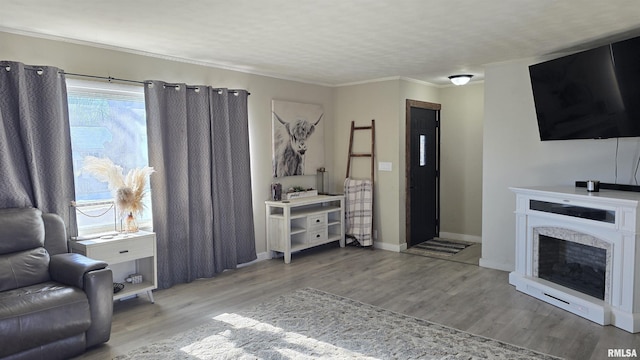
(128, 190)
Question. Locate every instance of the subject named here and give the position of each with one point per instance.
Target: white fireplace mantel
(618, 233)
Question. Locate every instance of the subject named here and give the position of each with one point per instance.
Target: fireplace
(571, 264)
(578, 251)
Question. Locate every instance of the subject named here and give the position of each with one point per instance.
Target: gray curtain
(35, 140)
(201, 191)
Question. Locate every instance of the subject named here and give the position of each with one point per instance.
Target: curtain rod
(109, 78)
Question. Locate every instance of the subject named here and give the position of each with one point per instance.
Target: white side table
(126, 254)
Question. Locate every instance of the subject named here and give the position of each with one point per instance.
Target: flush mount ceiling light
(460, 79)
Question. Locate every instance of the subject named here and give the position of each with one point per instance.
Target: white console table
(126, 254)
(304, 223)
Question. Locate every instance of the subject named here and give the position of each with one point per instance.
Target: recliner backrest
(55, 234)
(23, 259)
(20, 229)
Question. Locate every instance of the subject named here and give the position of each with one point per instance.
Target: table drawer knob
(124, 251)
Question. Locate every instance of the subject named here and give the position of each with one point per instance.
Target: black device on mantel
(591, 94)
(608, 186)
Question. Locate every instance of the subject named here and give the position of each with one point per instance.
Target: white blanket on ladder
(359, 210)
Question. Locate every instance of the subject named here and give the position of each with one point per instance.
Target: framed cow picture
(298, 138)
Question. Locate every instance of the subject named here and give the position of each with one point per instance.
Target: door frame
(428, 106)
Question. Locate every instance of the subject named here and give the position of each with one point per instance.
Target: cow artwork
(297, 139)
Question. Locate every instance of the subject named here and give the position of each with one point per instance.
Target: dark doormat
(447, 249)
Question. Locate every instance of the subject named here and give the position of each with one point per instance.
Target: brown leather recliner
(53, 304)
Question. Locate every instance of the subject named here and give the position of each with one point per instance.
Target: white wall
(461, 161)
(362, 103)
(513, 155)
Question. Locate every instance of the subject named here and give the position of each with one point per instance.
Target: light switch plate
(384, 166)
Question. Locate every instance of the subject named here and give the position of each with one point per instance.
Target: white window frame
(105, 209)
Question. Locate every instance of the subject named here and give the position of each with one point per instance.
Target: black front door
(422, 166)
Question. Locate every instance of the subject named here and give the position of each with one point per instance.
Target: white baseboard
(496, 265)
(462, 237)
(389, 247)
(260, 257)
(264, 256)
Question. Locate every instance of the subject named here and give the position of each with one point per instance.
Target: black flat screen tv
(589, 95)
(626, 55)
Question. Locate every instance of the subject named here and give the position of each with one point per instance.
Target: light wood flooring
(459, 295)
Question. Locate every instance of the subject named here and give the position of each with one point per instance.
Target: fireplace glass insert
(573, 265)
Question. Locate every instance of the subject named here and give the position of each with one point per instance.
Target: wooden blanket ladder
(372, 129)
(354, 128)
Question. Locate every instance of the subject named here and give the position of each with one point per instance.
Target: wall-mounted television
(590, 94)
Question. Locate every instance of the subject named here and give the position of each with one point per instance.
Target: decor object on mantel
(128, 190)
(298, 192)
(609, 186)
(313, 324)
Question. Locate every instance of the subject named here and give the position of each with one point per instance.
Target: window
(107, 120)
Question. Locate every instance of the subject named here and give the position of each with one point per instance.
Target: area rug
(312, 324)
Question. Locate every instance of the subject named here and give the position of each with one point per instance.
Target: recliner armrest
(69, 268)
(96, 280)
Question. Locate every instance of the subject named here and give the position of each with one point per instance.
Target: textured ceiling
(332, 42)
